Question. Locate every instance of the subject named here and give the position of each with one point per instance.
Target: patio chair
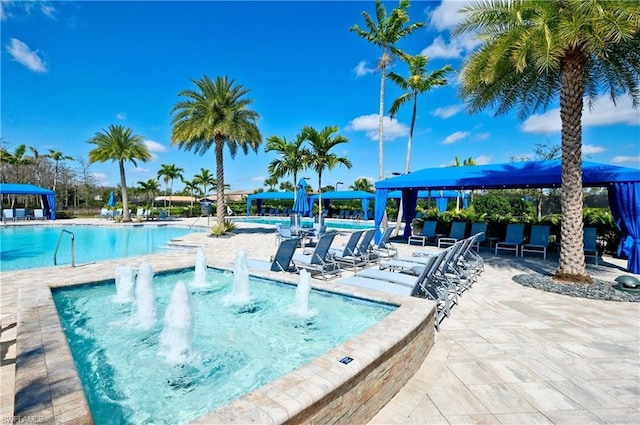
(38, 214)
(538, 241)
(313, 235)
(7, 214)
(139, 212)
(384, 248)
(479, 228)
(20, 214)
(457, 232)
(513, 241)
(283, 233)
(348, 254)
(281, 261)
(387, 281)
(590, 244)
(318, 260)
(428, 233)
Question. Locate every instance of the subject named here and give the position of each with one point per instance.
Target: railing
(73, 248)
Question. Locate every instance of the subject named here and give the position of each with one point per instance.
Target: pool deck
(508, 355)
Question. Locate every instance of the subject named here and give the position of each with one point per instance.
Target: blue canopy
(266, 195)
(48, 196)
(529, 174)
(441, 197)
(365, 198)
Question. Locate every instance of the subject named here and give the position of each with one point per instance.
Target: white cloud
(258, 179)
(591, 149)
(24, 55)
(455, 48)
(604, 113)
(48, 10)
(620, 159)
(140, 170)
(452, 138)
(25, 6)
(362, 70)
(446, 16)
(392, 128)
(482, 136)
(121, 117)
(154, 146)
(483, 159)
(447, 111)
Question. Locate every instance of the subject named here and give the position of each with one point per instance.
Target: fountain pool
(235, 348)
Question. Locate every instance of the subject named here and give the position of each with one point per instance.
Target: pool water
(335, 224)
(27, 247)
(236, 348)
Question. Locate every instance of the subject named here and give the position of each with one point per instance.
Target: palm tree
(149, 188)
(292, 158)
(385, 33)
(191, 187)
(169, 172)
(417, 83)
(271, 183)
(465, 163)
(57, 156)
(287, 187)
(118, 144)
(533, 51)
(319, 158)
(18, 160)
(216, 114)
(362, 184)
(206, 179)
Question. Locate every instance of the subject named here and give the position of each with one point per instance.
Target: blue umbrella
(112, 200)
(301, 205)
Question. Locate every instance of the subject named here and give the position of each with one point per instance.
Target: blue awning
(48, 196)
(260, 196)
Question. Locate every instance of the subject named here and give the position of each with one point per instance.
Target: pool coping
(48, 388)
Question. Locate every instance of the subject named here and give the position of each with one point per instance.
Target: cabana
(441, 197)
(48, 196)
(260, 196)
(365, 198)
(623, 185)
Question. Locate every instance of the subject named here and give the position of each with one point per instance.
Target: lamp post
(338, 183)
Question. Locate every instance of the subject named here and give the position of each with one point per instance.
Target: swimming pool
(236, 347)
(27, 247)
(335, 224)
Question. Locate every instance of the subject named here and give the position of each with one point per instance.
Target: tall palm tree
(292, 158)
(385, 33)
(418, 82)
(119, 144)
(287, 186)
(319, 157)
(18, 161)
(191, 187)
(533, 51)
(150, 188)
(362, 184)
(169, 172)
(206, 179)
(57, 157)
(217, 114)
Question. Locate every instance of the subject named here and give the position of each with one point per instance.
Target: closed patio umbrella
(112, 200)
(301, 204)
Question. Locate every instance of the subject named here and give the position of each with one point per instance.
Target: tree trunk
(220, 178)
(123, 189)
(380, 124)
(572, 261)
(407, 161)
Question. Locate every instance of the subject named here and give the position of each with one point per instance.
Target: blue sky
(70, 69)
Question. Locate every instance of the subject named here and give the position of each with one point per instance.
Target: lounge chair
(38, 214)
(479, 228)
(513, 241)
(386, 281)
(590, 244)
(313, 235)
(20, 214)
(283, 233)
(164, 215)
(538, 241)
(7, 214)
(281, 262)
(428, 233)
(318, 260)
(140, 212)
(457, 233)
(384, 248)
(348, 253)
